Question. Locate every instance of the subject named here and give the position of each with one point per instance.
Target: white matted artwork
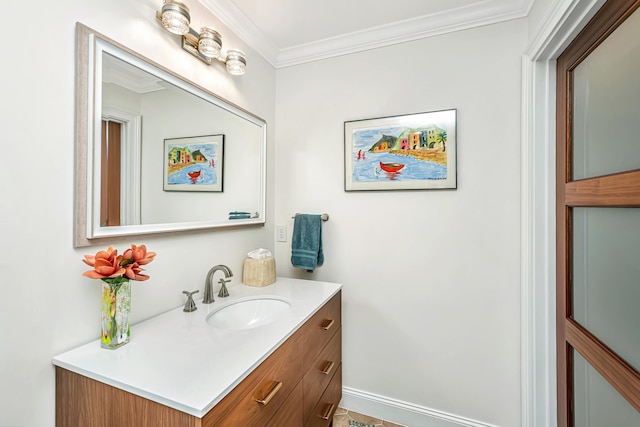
(405, 152)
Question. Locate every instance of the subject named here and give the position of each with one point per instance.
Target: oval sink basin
(248, 313)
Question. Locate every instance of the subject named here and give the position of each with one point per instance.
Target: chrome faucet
(208, 283)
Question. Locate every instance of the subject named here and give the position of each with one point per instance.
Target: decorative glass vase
(116, 306)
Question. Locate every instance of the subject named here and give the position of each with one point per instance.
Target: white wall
(47, 306)
(431, 278)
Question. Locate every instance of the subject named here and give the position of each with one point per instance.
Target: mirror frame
(89, 47)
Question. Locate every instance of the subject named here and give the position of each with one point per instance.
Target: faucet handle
(223, 288)
(190, 305)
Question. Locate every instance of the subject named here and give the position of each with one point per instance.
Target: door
(598, 221)
(110, 173)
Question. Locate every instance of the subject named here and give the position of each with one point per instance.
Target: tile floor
(343, 417)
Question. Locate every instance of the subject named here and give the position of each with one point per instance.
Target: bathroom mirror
(156, 153)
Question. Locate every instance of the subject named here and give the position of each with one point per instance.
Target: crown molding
(483, 13)
(234, 18)
(132, 78)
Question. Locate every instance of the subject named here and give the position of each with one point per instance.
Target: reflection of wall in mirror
(175, 113)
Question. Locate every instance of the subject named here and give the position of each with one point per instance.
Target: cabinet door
(84, 402)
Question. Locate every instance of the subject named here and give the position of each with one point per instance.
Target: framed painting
(406, 152)
(194, 163)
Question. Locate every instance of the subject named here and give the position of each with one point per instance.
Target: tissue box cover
(259, 272)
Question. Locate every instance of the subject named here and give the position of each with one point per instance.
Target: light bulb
(236, 62)
(209, 42)
(175, 17)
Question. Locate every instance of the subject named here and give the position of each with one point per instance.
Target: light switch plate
(281, 233)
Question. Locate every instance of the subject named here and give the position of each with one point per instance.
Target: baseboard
(399, 412)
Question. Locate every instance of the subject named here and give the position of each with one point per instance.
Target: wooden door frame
(538, 361)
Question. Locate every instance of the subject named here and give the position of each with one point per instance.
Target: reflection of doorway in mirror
(121, 202)
(110, 174)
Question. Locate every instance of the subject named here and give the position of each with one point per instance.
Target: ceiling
(290, 32)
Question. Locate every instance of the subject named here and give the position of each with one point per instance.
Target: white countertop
(180, 361)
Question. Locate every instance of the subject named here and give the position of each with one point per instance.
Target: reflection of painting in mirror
(194, 163)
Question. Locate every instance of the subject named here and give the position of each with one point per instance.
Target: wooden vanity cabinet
(299, 384)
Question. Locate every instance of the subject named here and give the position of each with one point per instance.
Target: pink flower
(139, 254)
(104, 263)
(109, 265)
(133, 272)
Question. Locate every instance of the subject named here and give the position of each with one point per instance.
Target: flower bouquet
(115, 271)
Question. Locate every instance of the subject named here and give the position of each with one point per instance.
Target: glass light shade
(236, 62)
(209, 42)
(175, 17)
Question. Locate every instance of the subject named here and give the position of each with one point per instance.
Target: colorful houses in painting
(198, 157)
(184, 155)
(424, 138)
(179, 155)
(433, 135)
(385, 143)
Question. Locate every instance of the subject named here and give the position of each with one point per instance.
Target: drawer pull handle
(327, 368)
(274, 390)
(327, 412)
(328, 325)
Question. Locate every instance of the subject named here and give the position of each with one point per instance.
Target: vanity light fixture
(206, 45)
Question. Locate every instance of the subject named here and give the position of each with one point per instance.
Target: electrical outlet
(281, 233)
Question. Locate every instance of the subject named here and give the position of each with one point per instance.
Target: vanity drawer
(321, 327)
(290, 413)
(323, 412)
(321, 372)
(256, 399)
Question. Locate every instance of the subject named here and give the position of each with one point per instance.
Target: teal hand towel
(306, 242)
(239, 215)
(247, 216)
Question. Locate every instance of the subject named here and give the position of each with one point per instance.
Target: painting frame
(194, 163)
(416, 151)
